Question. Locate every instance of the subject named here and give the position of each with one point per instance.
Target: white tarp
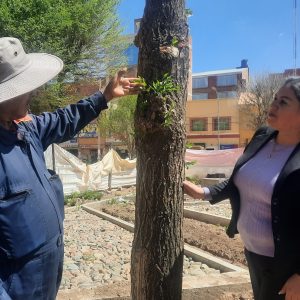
(122, 172)
(78, 176)
(212, 161)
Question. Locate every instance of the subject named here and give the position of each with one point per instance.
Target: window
(227, 94)
(200, 96)
(227, 80)
(199, 124)
(224, 123)
(200, 82)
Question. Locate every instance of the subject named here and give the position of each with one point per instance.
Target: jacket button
(59, 241)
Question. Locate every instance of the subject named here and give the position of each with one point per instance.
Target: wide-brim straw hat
(21, 73)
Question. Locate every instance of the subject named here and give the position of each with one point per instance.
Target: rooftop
(220, 72)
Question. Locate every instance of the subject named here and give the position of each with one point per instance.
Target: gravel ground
(97, 252)
(222, 209)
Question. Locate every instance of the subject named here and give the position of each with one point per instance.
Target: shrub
(78, 198)
(195, 179)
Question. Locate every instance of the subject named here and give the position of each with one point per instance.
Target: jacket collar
(12, 137)
(27, 118)
(255, 145)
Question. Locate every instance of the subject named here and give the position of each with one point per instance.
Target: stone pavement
(97, 252)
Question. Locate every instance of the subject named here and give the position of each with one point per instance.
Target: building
(213, 116)
(289, 72)
(212, 113)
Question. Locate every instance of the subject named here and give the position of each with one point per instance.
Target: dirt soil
(208, 237)
(121, 290)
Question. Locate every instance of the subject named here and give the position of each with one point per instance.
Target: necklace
(275, 148)
(272, 149)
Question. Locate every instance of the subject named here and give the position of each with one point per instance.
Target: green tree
(82, 33)
(118, 121)
(157, 252)
(59, 94)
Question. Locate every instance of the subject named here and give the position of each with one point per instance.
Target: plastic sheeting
(112, 169)
(212, 161)
(214, 158)
(122, 172)
(77, 176)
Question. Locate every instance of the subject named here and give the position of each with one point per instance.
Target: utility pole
(218, 103)
(295, 37)
(218, 115)
(98, 145)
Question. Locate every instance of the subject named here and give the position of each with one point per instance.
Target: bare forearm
(193, 190)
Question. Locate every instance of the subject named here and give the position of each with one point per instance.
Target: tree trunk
(157, 254)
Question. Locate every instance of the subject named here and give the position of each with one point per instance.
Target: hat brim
(43, 68)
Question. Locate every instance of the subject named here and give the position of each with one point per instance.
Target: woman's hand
(291, 288)
(193, 190)
(121, 86)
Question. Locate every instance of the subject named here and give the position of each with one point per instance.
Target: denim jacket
(31, 197)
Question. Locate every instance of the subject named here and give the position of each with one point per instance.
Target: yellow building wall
(246, 132)
(210, 109)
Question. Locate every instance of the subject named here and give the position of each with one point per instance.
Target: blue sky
(226, 31)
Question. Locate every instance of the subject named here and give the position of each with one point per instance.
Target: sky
(226, 31)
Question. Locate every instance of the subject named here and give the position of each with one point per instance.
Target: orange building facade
(212, 113)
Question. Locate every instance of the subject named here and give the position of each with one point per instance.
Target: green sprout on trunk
(160, 88)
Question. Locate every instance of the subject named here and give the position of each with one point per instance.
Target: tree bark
(157, 254)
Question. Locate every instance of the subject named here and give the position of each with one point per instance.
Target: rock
(197, 272)
(98, 252)
(71, 267)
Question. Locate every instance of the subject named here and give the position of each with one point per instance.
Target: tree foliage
(59, 94)
(118, 121)
(78, 31)
(83, 33)
(256, 97)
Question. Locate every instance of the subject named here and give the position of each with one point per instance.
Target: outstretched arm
(64, 123)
